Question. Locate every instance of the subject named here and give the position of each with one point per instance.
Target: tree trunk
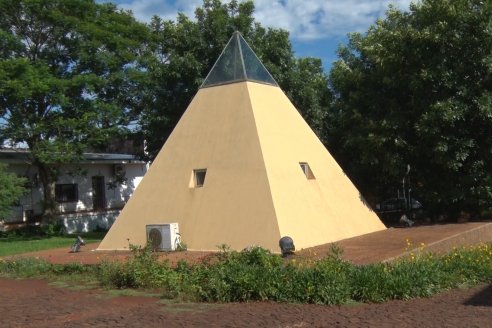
(47, 177)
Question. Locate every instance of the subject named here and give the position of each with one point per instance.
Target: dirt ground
(37, 303)
(371, 248)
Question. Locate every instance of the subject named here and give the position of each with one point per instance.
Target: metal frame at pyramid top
(237, 63)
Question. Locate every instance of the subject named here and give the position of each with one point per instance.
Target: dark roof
(24, 156)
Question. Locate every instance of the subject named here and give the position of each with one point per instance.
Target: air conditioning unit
(118, 170)
(163, 237)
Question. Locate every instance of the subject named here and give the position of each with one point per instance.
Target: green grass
(13, 245)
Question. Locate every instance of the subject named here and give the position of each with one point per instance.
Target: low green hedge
(257, 275)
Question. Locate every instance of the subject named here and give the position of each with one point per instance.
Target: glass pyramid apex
(237, 63)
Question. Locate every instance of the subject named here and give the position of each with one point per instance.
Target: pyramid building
(243, 168)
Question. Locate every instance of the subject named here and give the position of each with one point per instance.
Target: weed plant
(257, 275)
(32, 267)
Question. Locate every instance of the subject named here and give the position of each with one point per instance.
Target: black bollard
(286, 246)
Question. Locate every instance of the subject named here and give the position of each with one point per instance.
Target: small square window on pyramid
(237, 63)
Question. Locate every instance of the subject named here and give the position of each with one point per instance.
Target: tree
(184, 51)
(68, 72)
(12, 189)
(417, 89)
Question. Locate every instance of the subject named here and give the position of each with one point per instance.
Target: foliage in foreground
(257, 275)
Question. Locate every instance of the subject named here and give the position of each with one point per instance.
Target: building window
(199, 176)
(307, 170)
(66, 193)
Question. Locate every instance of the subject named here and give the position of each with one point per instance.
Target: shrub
(12, 188)
(240, 276)
(368, 283)
(257, 275)
(32, 267)
(142, 270)
(35, 231)
(409, 278)
(25, 267)
(468, 265)
(321, 282)
(115, 274)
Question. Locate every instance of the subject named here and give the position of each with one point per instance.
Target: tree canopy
(416, 90)
(75, 73)
(10, 192)
(67, 72)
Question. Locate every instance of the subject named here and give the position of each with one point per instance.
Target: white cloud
(304, 19)
(318, 19)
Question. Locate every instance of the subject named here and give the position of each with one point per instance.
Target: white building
(89, 195)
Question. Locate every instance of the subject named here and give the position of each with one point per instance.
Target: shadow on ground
(482, 298)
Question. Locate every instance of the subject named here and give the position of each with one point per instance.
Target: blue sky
(316, 27)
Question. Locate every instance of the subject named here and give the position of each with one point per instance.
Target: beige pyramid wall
(251, 140)
(311, 211)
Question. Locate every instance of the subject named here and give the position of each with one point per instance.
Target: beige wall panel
(325, 209)
(234, 206)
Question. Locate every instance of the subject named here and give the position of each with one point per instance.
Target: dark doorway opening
(98, 193)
